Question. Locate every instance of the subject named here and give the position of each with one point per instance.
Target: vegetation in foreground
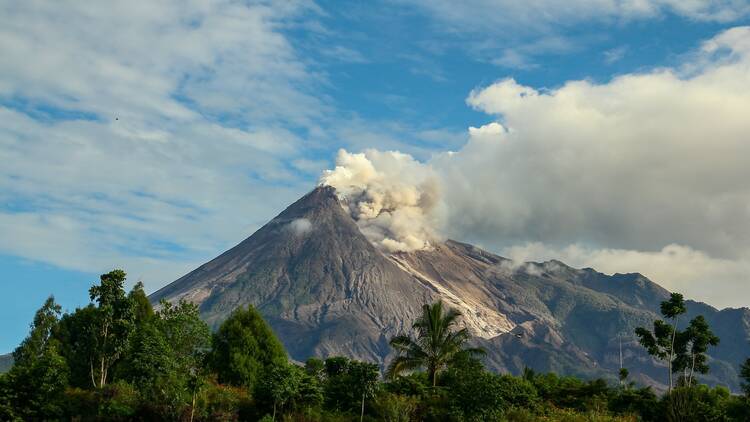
(118, 360)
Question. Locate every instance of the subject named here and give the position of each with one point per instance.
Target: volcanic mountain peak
(327, 290)
(312, 258)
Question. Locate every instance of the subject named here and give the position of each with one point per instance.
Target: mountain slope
(322, 286)
(6, 361)
(326, 290)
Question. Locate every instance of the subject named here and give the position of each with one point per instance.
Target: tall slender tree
(662, 341)
(39, 375)
(436, 345)
(745, 376)
(114, 322)
(693, 345)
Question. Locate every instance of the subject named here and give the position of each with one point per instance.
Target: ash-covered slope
(573, 321)
(322, 286)
(326, 290)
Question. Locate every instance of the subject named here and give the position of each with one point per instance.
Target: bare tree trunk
(362, 414)
(692, 370)
(671, 352)
(91, 371)
(102, 374)
(192, 407)
(102, 371)
(619, 338)
(274, 411)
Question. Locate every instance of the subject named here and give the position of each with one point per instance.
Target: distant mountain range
(326, 290)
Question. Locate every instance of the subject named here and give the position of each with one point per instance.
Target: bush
(118, 401)
(391, 407)
(699, 403)
(218, 402)
(481, 395)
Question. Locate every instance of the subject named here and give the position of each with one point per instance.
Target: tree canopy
(244, 347)
(435, 346)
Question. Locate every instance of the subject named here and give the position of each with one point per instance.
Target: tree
(694, 342)
(76, 334)
(745, 376)
(282, 384)
(661, 342)
(243, 347)
(363, 380)
(477, 394)
(189, 339)
(622, 375)
(142, 310)
(33, 346)
(35, 385)
(436, 345)
(113, 324)
(348, 383)
(315, 367)
(165, 357)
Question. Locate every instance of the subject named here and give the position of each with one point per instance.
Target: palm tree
(436, 346)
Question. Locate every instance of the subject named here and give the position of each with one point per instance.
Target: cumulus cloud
(648, 171)
(392, 197)
(633, 163)
(645, 173)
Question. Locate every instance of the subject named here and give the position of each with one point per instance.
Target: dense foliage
(436, 345)
(119, 359)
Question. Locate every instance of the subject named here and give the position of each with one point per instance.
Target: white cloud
(539, 15)
(719, 282)
(514, 34)
(614, 55)
(645, 173)
(300, 227)
(631, 168)
(633, 163)
(148, 135)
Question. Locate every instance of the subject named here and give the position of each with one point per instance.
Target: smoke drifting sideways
(394, 198)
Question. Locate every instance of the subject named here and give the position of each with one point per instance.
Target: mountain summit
(327, 290)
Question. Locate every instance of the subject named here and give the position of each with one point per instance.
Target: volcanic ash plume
(393, 198)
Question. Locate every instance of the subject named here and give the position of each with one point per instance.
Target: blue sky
(152, 138)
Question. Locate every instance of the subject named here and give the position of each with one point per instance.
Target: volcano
(326, 290)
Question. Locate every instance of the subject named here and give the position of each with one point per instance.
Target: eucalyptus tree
(114, 322)
(745, 376)
(33, 389)
(662, 341)
(694, 343)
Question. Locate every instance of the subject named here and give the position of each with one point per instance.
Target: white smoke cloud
(392, 197)
(300, 227)
(645, 173)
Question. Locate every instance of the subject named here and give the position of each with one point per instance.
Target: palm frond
(402, 364)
